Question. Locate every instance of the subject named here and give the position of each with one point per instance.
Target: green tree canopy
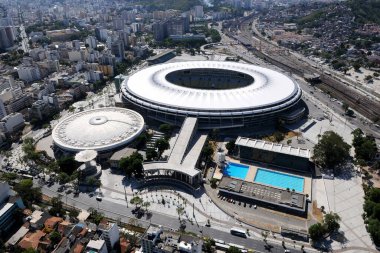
(331, 150)
(56, 207)
(162, 145)
(55, 237)
(365, 147)
(233, 249)
(230, 146)
(132, 165)
(136, 200)
(316, 231)
(27, 192)
(331, 221)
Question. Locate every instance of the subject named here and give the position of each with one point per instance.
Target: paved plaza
(344, 195)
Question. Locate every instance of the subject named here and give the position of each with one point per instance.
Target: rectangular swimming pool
(280, 180)
(236, 170)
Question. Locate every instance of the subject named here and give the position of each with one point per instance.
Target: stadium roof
(269, 88)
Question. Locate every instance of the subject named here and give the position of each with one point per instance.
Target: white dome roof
(269, 88)
(100, 129)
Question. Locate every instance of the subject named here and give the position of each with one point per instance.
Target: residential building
(12, 123)
(29, 73)
(9, 203)
(110, 233)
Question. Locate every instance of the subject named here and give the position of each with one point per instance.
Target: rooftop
(274, 147)
(263, 193)
(269, 88)
(100, 129)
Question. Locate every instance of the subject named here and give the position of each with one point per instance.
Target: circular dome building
(102, 130)
(219, 94)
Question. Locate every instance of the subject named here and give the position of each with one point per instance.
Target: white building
(93, 76)
(198, 11)
(110, 233)
(29, 73)
(98, 246)
(12, 123)
(91, 42)
(7, 207)
(75, 56)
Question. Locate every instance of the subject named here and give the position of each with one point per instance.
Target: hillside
(365, 11)
(182, 5)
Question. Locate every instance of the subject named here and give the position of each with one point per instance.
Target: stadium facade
(219, 94)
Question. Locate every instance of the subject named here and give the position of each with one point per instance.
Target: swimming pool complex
(236, 170)
(280, 180)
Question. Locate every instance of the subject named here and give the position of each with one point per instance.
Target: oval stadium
(219, 94)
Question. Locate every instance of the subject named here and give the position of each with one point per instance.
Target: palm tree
(136, 200)
(146, 204)
(180, 211)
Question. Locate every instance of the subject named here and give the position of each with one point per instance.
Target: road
(360, 122)
(121, 211)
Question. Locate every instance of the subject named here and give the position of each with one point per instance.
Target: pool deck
(251, 173)
(250, 177)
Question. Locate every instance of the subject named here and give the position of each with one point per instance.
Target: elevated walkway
(183, 159)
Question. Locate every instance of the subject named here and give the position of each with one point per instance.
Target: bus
(238, 232)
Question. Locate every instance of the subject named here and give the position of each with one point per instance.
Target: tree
(180, 211)
(208, 244)
(29, 250)
(233, 249)
(230, 146)
(331, 221)
(207, 152)
(331, 150)
(63, 178)
(213, 183)
(132, 165)
(278, 136)
(151, 154)
(55, 237)
(136, 200)
(345, 107)
(162, 145)
(374, 230)
(95, 216)
(316, 231)
(27, 192)
(166, 129)
(146, 205)
(56, 207)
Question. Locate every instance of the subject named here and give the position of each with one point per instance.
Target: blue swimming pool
(236, 170)
(280, 180)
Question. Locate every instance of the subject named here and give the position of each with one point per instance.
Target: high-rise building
(110, 233)
(7, 37)
(177, 26)
(198, 11)
(29, 73)
(117, 48)
(159, 31)
(91, 42)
